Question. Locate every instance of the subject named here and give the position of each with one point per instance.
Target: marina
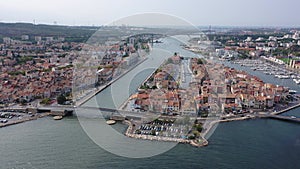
(277, 71)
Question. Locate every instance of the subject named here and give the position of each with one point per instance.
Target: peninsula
(187, 96)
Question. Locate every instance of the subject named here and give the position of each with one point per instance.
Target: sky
(197, 12)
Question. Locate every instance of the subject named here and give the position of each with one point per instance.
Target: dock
(277, 115)
(285, 110)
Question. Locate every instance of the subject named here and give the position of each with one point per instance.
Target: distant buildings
(24, 37)
(7, 40)
(38, 38)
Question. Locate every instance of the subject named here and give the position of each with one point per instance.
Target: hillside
(70, 33)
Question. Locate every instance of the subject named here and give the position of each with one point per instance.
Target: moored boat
(110, 122)
(58, 117)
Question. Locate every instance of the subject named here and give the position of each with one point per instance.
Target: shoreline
(37, 116)
(129, 133)
(205, 142)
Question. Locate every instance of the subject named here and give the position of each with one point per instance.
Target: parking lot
(164, 128)
(10, 116)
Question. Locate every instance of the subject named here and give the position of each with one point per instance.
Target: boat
(110, 122)
(284, 77)
(58, 117)
(295, 80)
(292, 91)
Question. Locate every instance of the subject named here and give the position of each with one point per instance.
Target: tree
(45, 101)
(154, 87)
(23, 102)
(199, 127)
(199, 61)
(61, 99)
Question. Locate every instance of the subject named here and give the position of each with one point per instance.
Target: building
(7, 40)
(295, 64)
(25, 37)
(38, 38)
(49, 39)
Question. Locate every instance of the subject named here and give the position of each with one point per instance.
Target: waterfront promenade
(101, 88)
(285, 118)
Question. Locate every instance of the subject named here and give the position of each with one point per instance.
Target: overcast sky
(198, 12)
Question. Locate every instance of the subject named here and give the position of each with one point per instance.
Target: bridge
(146, 36)
(64, 110)
(120, 115)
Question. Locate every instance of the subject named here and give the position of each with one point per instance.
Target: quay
(35, 113)
(285, 118)
(124, 104)
(277, 116)
(101, 88)
(9, 123)
(285, 110)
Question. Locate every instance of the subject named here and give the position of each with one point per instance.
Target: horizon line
(201, 25)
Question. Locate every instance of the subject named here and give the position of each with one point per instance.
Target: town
(213, 91)
(183, 91)
(231, 91)
(40, 70)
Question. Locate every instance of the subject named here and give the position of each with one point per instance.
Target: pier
(277, 115)
(285, 110)
(285, 118)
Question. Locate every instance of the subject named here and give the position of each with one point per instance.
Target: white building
(249, 39)
(38, 38)
(7, 40)
(49, 39)
(25, 37)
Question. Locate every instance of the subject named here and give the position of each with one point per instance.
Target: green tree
(61, 99)
(199, 61)
(45, 101)
(154, 87)
(23, 102)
